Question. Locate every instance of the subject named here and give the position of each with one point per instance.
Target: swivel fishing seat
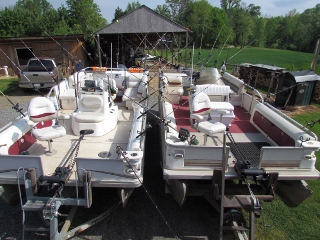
(41, 109)
(200, 106)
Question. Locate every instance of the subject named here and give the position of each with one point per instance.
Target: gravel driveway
(8, 114)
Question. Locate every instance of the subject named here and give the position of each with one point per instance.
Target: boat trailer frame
(49, 206)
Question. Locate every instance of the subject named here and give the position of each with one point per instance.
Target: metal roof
(304, 76)
(142, 20)
(264, 66)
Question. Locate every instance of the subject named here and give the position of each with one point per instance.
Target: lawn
(282, 58)
(9, 86)
(302, 222)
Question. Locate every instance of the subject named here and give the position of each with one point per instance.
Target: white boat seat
(135, 92)
(211, 127)
(89, 117)
(200, 106)
(216, 106)
(92, 101)
(130, 94)
(68, 95)
(45, 134)
(90, 111)
(42, 109)
(215, 92)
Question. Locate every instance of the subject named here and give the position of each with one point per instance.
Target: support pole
(316, 55)
(99, 50)
(186, 54)
(223, 175)
(252, 218)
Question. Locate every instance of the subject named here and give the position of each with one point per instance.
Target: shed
(296, 88)
(137, 32)
(16, 51)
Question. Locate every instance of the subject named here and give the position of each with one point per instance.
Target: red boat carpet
(240, 123)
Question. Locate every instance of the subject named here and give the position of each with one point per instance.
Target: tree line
(234, 23)
(39, 18)
(239, 24)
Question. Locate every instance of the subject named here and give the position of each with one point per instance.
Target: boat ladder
(229, 197)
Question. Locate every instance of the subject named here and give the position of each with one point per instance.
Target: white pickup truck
(40, 73)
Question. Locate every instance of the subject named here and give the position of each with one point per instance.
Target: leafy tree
(242, 25)
(11, 23)
(272, 32)
(228, 5)
(36, 14)
(132, 6)
(307, 29)
(178, 9)
(205, 22)
(254, 11)
(198, 16)
(118, 14)
(288, 30)
(84, 17)
(258, 37)
(163, 10)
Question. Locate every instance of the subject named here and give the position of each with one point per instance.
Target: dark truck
(40, 73)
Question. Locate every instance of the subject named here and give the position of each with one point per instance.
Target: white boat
(89, 132)
(216, 134)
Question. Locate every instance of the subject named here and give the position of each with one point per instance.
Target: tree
(163, 10)
(273, 38)
(118, 13)
(132, 6)
(178, 9)
(307, 29)
(84, 17)
(254, 11)
(205, 22)
(258, 36)
(36, 14)
(11, 23)
(227, 5)
(241, 24)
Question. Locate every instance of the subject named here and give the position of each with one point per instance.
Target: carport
(138, 32)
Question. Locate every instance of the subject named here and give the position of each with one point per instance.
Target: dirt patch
(297, 110)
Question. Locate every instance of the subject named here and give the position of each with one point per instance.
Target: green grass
(302, 222)
(281, 222)
(282, 58)
(9, 85)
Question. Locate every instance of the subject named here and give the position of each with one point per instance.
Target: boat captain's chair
(41, 109)
(200, 107)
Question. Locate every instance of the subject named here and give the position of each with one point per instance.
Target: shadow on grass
(11, 88)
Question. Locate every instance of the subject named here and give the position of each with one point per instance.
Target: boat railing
(285, 116)
(255, 92)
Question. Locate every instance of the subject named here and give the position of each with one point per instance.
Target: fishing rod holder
(148, 126)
